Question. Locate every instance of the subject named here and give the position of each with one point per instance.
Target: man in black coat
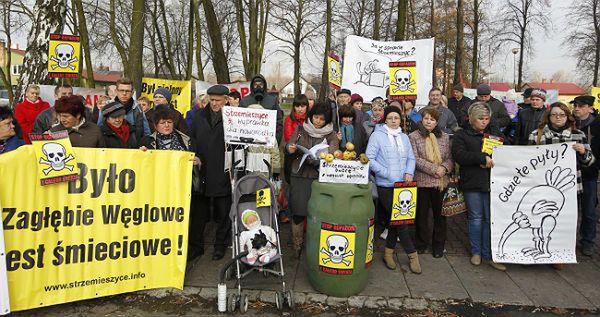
(588, 121)
(526, 99)
(208, 135)
(529, 118)
(500, 117)
(258, 95)
(459, 104)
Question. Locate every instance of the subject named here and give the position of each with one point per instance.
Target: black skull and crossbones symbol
(405, 204)
(337, 250)
(63, 56)
(56, 158)
(403, 81)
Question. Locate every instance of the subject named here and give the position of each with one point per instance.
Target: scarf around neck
(122, 131)
(168, 142)
(394, 136)
(317, 133)
(347, 134)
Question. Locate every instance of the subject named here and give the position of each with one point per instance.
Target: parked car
(4, 98)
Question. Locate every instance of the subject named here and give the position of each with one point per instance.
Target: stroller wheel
(289, 297)
(244, 303)
(279, 300)
(232, 302)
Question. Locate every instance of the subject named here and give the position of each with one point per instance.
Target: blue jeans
(587, 228)
(478, 204)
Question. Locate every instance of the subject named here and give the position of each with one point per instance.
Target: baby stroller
(245, 194)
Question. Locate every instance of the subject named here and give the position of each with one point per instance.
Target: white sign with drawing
(366, 65)
(345, 172)
(534, 204)
(249, 126)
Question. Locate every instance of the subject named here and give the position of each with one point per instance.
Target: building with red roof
(566, 91)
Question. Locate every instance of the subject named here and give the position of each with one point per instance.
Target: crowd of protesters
(427, 146)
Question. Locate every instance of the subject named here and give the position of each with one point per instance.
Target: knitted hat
(378, 103)
(483, 90)
(389, 110)
(247, 213)
(458, 87)
(164, 92)
(355, 97)
(113, 109)
(538, 92)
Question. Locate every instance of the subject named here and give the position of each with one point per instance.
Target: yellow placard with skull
(404, 205)
(337, 248)
(335, 71)
(370, 243)
(55, 157)
(403, 80)
(596, 94)
(64, 55)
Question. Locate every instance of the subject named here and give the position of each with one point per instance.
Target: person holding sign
(8, 137)
(392, 160)
(475, 165)
(351, 131)
(434, 162)
(316, 130)
(558, 126)
(71, 115)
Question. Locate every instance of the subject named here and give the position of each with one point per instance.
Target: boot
(297, 237)
(414, 264)
(388, 258)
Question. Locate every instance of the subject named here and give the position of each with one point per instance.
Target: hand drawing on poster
(370, 74)
(539, 214)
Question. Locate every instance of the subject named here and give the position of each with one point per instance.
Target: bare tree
(85, 42)
(48, 19)
(401, 21)
(519, 18)
(198, 29)
(254, 14)
(376, 19)
(12, 21)
(356, 17)
(219, 57)
(325, 74)
(584, 37)
(458, 59)
(295, 24)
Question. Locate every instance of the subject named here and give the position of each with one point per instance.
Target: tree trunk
(262, 29)
(521, 55)
(48, 18)
(85, 44)
(325, 75)
(198, 40)
(475, 60)
(377, 17)
(596, 14)
(297, 43)
(5, 77)
(239, 17)
(136, 45)
(219, 59)
(190, 52)
(459, 43)
(432, 34)
(401, 22)
(115, 38)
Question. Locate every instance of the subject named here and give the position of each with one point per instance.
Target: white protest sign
(366, 66)
(249, 126)
(4, 299)
(344, 172)
(534, 204)
(91, 95)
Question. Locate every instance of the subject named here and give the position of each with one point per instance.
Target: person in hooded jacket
(28, 110)
(258, 95)
(162, 99)
(116, 131)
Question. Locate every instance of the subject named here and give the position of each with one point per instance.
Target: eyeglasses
(125, 91)
(558, 115)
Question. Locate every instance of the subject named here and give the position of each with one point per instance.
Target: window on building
(16, 70)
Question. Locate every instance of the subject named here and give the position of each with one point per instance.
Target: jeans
(587, 228)
(394, 232)
(478, 204)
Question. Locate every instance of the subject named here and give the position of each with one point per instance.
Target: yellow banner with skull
(64, 55)
(335, 71)
(55, 157)
(404, 205)
(403, 80)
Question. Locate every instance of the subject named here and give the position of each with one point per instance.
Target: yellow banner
(403, 80)
(121, 227)
(596, 94)
(334, 71)
(404, 208)
(181, 91)
(64, 56)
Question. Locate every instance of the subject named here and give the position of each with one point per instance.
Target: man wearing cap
(500, 117)
(259, 95)
(526, 99)
(208, 135)
(162, 99)
(529, 118)
(588, 121)
(115, 130)
(343, 97)
(459, 104)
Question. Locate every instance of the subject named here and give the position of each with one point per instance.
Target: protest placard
(335, 71)
(366, 65)
(56, 162)
(534, 204)
(121, 227)
(403, 80)
(181, 91)
(344, 172)
(91, 95)
(404, 204)
(249, 126)
(64, 56)
(596, 94)
(243, 87)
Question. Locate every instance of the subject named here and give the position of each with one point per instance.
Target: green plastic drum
(339, 239)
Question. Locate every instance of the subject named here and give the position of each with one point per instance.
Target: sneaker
(476, 260)
(497, 266)
(383, 235)
(587, 250)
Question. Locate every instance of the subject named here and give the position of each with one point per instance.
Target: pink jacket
(425, 171)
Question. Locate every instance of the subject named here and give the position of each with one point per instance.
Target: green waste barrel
(339, 238)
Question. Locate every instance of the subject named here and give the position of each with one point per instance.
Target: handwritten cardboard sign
(344, 172)
(249, 126)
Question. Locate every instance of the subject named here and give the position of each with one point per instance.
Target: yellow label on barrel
(370, 243)
(404, 205)
(337, 248)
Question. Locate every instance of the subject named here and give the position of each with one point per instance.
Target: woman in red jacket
(27, 111)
